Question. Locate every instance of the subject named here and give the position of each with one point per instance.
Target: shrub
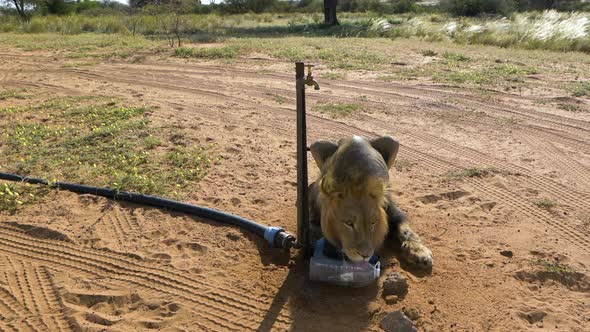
(478, 7)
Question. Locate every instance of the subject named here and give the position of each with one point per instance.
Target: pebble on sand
(395, 284)
(397, 322)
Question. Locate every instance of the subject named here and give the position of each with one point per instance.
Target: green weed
(495, 74)
(152, 142)
(278, 98)
(429, 53)
(14, 195)
(545, 204)
(12, 94)
(474, 172)
(569, 107)
(579, 89)
(221, 52)
(82, 45)
(336, 110)
(554, 266)
(334, 75)
(455, 56)
(102, 142)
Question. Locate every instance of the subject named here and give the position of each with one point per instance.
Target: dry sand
(92, 264)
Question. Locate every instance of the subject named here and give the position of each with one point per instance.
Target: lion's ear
(322, 150)
(388, 147)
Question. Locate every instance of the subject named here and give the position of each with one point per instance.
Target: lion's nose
(364, 255)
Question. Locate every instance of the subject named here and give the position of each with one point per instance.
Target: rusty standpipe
(302, 181)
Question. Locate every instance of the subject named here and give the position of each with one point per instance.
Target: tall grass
(550, 30)
(535, 30)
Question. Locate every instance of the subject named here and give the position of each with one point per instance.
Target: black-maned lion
(351, 203)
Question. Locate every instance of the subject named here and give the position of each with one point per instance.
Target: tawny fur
(351, 200)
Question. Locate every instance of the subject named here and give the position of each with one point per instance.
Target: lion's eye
(349, 224)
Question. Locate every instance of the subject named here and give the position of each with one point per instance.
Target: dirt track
(125, 267)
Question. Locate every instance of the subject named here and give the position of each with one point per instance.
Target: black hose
(275, 236)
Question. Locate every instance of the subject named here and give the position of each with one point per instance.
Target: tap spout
(309, 79)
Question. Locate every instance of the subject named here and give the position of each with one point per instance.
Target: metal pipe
(302, 194)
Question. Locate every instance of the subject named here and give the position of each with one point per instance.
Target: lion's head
(354, 192)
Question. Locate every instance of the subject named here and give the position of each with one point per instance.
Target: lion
(351, 204)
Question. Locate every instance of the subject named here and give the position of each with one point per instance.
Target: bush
(405, 6)
(478, 7)
(244, 6)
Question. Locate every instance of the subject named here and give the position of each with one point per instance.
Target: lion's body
(350, 203)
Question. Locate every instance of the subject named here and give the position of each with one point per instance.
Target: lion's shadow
(318, 306)
(323, 307)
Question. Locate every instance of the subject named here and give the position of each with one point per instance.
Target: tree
(330, 12)
(59, 7)
(22, 7)
(171, 18)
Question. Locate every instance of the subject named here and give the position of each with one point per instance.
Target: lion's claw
(417, 254)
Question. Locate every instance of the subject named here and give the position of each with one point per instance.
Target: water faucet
(309, 79)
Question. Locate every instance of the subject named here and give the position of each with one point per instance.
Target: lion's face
(355, 220)
(353, 191)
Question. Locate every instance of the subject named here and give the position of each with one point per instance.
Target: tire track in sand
(559, 159)
(13, 311)
(215, 321)
(434, 93)
(473, 155)
(220, 307)
(10, 307)
(52, 305)
(568, 232)
(537, 181)
(470, 154)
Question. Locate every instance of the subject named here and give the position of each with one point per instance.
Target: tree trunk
(330, 12)
(20, 9)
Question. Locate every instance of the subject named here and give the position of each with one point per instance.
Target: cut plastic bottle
(340, 271)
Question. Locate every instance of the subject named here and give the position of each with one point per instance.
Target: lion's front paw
(417, 254)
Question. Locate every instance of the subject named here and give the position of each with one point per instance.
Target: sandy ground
(92, 264)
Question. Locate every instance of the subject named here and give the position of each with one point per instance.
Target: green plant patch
(336, 110)
(101, 142)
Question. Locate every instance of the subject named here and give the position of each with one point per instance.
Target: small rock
(233, 236)
(395, 284)
(429, 199)
(412, 313)
(397, 322)
(197, 247)
(487, 206)
(534, 316)
(235, 201)
(507, 253)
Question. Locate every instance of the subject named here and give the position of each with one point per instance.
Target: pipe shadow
(305, 305)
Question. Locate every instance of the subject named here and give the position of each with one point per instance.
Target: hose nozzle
(278, 238)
